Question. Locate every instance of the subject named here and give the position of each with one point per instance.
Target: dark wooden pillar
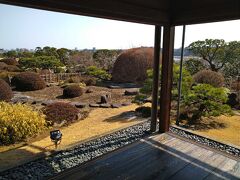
(180, 76)
(166, 78)
(156, 62)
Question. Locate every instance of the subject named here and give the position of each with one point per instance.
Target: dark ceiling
(174, 12)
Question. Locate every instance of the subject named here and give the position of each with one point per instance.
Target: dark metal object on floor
(56, 137)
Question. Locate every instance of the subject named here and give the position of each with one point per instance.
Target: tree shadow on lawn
(61, 97)
(205, 124)
(124, 117)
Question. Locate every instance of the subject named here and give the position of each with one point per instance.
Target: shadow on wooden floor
(159, 157)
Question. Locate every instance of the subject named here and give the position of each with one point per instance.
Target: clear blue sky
(29, 28)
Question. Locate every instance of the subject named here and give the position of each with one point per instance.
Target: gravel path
(45, 167)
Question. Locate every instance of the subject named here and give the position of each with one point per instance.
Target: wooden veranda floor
(162, 156)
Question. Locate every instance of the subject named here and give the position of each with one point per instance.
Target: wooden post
(180, 76)
(156, 62)
(166, 78)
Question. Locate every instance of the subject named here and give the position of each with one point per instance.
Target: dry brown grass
(224, 129)
(228, 134)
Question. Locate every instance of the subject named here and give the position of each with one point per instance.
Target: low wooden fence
(57, 77)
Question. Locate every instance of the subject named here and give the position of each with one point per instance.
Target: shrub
(6, 93)
(90, 81)
(72, 91)
(132, 65)
(87, 80)
(140, 98)
(28, 81)
(18, 122)
(3, 66)
(74, 79)
(60, 112)
(12, 68)
(144, 111)
(41, 62)
(10, 61)
(98, 73)
(206, 100)
(193, 65)
(236, 86)
(209, 77)
(232, 100)
(186, 82)
(6, 76)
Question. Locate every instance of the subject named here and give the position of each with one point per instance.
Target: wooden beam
(166, 78)
(156, 63)
(204, 11)
(117, 10)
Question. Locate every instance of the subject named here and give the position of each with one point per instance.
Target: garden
(91, 93)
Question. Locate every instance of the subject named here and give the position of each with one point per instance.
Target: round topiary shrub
(91, 81)
(72, 91)
(209, 77)
(132, 65)
(10, 61)
(232, 100)
(12, 68)
(6, 93)
(60, 112)
(28, 81)
(3, 66)
(144, 111)
(19, 122)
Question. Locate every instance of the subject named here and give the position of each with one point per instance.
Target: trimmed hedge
(59, 112)
(6, 93)
(10, 61)
(72, 91)
(209, 77)
(132, 65)
(144, 111)
(3, 66)
(12, 68)
(28, 81)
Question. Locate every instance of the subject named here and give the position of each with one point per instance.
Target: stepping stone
(131, 92)
(105, 105)
(114, 87)
(116, 105)
(126, 104)
(36, 102)
(80, 105)
(46, 103)
(94, 105)
(89, 90)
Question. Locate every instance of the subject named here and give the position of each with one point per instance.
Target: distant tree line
(63, 58)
